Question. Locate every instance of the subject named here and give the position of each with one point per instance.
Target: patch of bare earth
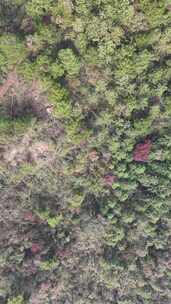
(27, 151)
(20, 98)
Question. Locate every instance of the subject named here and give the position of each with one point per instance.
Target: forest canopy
(85, 152)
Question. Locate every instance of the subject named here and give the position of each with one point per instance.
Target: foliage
(38, 8)
(16, 300)
(49, 265)
(69, 61)
(53, 221)
(14, 127)
(141, 152)
(98, 229)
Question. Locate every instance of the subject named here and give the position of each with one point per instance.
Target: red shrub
(45, 286)
(29, 217)
(36, 248)
(32, 218)
(47, 19)
(110, 179)
(29, 268)
(142, 151)
(62, 254)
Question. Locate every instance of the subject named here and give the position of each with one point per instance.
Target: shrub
(17, 300)
(69, 62)
(142, 150)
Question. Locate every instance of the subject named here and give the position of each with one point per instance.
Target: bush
(16, 300)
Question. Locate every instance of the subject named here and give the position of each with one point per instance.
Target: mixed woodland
(85, 152)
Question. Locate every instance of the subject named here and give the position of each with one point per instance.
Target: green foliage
(38, 8)
(56, 70)
(14, 127)
(49, 265)
(76, 201)
(59, 98)
(100, 218)
(69, 62)
(3, 63)
(155, 12)
(23, 172)
(16, 300)
(12, 49)
(53, 221)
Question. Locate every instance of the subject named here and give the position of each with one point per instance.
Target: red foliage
(30, 217)
(76, 211)
(47, 19)
(142, 151)
(110, 179)
(62, 254)
(36, 248)
(45, 286)
(29, 268)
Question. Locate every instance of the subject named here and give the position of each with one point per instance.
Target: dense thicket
(85, 151)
